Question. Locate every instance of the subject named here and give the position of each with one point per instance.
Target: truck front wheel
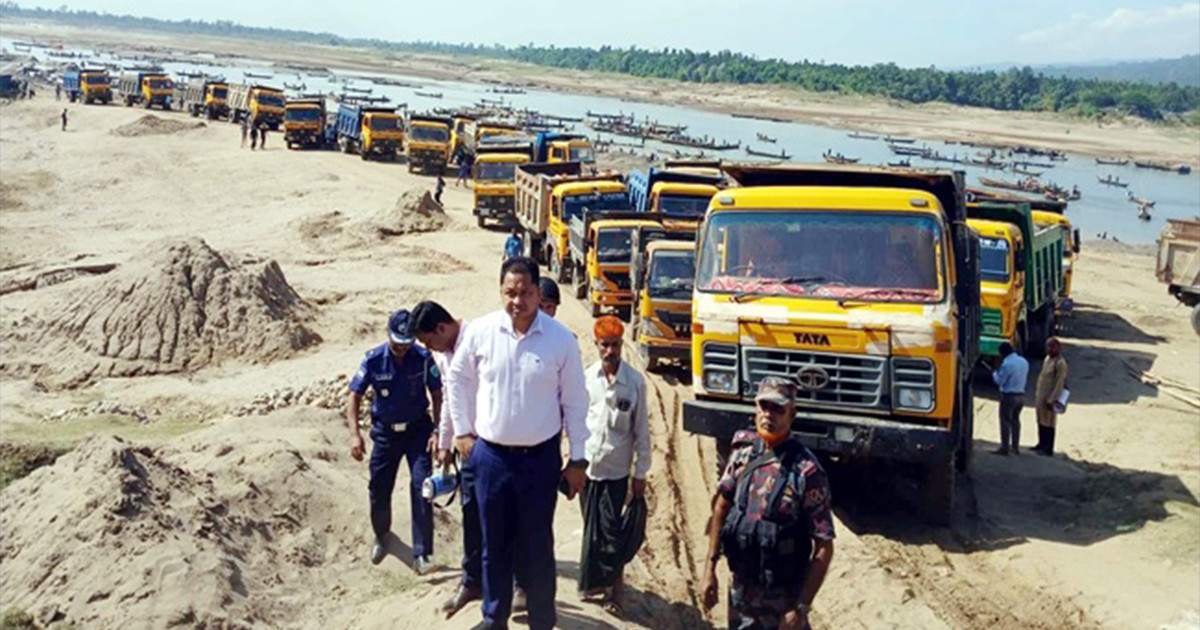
(938, 489)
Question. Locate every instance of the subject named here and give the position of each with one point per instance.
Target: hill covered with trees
(1016, 89)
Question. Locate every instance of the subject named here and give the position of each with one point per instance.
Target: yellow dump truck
(260, 104)
(663, 273)
(428, 143)
(147, 89)
(493, 187)
(680, 196)
(201, 97)
(370, 131)
(861, 284)
(89, 86)
(1071, 240)
(549, 194)
(1178, 264)
(600, 255)
(304, 123)
(483, 130)
(463, 128)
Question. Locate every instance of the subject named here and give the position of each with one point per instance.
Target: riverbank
(1129, 138)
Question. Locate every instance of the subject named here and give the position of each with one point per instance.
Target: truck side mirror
(1019, 260)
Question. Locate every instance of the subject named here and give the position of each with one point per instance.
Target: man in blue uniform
(401, 427)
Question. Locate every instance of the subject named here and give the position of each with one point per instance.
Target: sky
(911, 33)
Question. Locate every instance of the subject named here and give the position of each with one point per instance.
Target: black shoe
(1044, 452)
(1016, 451)
(378, 552)
(423, 565)
(1001, 451)
(519, 603)
(462, 596)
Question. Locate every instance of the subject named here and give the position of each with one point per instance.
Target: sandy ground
(203, 516)
(935, 121)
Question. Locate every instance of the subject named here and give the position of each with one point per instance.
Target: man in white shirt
(517, 380)
(620, 434)
(442, 334)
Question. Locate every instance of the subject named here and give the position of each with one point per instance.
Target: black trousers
(1010, 420)
(1045, 440)
(602, 557)
(472, 560)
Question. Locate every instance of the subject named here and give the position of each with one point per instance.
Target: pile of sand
(151, 125)
(219, 530)
(415, 211)
(180, 307)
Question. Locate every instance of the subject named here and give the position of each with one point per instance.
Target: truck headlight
(913, 398)
(598, 285)
(720, 381)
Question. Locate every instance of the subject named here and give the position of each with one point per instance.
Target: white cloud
(1125, 33)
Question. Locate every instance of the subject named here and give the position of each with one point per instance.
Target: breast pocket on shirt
(385, 385)
(532, 366)
(621, 403)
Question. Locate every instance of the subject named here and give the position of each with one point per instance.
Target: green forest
(1015, 89)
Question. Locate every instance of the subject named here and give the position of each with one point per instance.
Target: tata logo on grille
(812, 378)
(812, 339)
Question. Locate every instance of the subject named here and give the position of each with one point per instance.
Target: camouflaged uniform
(806, 498)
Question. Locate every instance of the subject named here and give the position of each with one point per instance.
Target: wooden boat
(765, 138)
(1109, 180)
(920, 152)
(898, 140)
(782, 155)
(838, 158)
(507, 90)
(1182, 169)
(1111, 162)
(299, 87)
(1021, 171)
(1142, 203)
(251, 75)
(1025, 186)
(863, 136)
(429, 94)
(358, 90)
(901, 164)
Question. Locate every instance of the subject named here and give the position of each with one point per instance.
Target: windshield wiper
(880, 291)
(742, 296)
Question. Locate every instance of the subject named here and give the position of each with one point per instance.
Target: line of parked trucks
(877, 290)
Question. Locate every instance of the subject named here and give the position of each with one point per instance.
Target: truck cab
(568, 201)
(563, 147)
(1001, 286)
(682, 205)
(428, 146)
(304, 123)
(601, 253)
(216, 99)
(663, 274)
(95, 86)
(493, 176)
(860, 284)
(147, 89)
(267, 106)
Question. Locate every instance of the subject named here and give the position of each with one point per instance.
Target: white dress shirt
(617, 419)
(445, 427)
(525, 390)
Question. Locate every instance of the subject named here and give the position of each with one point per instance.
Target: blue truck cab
(370, 131)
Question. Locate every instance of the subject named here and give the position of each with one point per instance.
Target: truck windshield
(614, 245)
(573, 206)
(683, 206)
(993, 259)
(581, 154)
(160, 84)
(429, 134)
(220, 92)
(495, 171)
(270, 99)
(303, 115)
(383, 123)
(95, 79)
(672, 275)
(873, 256)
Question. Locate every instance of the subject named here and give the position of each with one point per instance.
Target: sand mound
(217, 531)
(151, 125)
(181, 307)
(415, 211)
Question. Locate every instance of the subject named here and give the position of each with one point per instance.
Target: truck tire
(363, 155)
(479, 221)
(937, 490)
(580, 285)
(1196, 319)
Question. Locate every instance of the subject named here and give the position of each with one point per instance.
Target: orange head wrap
(608, 326)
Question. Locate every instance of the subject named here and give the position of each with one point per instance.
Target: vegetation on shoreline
(1013, 90)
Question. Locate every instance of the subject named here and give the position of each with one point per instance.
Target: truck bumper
(612, 298)
(499, 208)
(665, 351)
(303, 137)
(856, 436)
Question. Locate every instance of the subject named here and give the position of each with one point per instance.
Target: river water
(1102, 209)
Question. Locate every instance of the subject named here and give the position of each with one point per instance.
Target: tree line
(1017, 89)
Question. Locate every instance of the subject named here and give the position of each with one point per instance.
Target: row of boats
(1182, 169)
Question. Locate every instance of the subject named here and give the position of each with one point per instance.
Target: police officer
(771, 520)
(401, 427)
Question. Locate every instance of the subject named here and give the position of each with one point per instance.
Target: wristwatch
(581, 464)
(803, 609)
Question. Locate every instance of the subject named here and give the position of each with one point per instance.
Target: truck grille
(993, 321)
(849, 380)
(680, 323)
(621, 279)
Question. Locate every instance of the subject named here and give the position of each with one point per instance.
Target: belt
(523, 450)
(1012, 393)
(398, 427)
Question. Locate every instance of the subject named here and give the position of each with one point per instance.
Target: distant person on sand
(1011, 378)
(512, 246)
(262, 136)
(437, 191)
(245, 131)
(64, 119)
(1050, 385)
(253, 137)
(57, 92)
(405, 380)
(464, 169)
